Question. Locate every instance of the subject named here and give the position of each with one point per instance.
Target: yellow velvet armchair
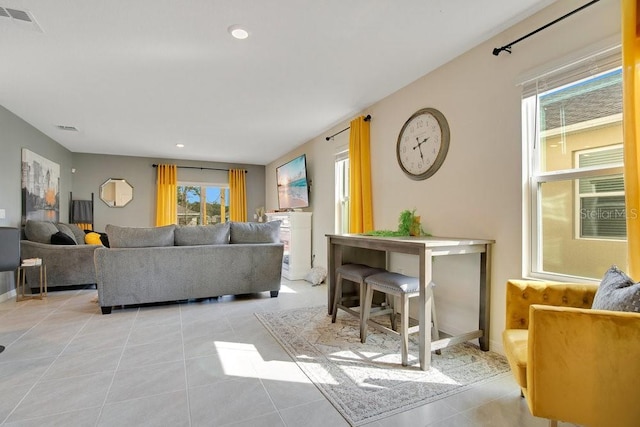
(573, 363)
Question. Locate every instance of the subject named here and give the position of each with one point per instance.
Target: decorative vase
(414, 229)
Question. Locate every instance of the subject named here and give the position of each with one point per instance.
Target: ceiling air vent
(21, 18)
(20, 15)
(68, 128)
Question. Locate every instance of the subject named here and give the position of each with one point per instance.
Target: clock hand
(418, 146)
(420, 143)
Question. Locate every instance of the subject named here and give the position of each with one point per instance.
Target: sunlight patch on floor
(244, 360)
(286, 290)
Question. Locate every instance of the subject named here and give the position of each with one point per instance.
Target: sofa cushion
(138, 237)
(255, 232)
(190, 235)
(64, 228)
(76, 231)
(62, 238)
(39, 231)
(617, 292)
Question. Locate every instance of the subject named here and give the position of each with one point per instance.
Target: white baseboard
(8, 295)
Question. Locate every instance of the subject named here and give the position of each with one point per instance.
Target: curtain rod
(366, 119)
(201, 168)
(507, 47)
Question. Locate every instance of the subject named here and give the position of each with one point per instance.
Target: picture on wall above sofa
(40, 188)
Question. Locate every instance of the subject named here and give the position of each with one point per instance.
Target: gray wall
(91, 170)
(16, 134)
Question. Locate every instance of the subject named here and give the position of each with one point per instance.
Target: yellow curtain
(238, 195)
(167, 195)
(360, 205)
(631, 98)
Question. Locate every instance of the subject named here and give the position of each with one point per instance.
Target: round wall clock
(423, 143)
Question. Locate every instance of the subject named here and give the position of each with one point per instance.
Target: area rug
(366, 382)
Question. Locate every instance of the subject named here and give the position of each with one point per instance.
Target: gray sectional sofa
(174, 263)
(68, 264)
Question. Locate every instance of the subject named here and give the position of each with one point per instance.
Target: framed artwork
(40, 188)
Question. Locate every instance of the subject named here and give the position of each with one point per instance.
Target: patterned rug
(366, 382)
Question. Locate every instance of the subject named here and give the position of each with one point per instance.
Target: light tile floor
(208, 363)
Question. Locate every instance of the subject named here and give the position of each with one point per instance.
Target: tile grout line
(184, 364)
(115, 372)
(39, 379)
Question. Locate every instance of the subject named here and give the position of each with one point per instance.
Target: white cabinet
(295, 233)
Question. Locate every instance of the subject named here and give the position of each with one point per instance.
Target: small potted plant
(408, 225)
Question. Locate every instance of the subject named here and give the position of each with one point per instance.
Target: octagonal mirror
(116, 192)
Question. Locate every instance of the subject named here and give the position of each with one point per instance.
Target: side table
(21, 281)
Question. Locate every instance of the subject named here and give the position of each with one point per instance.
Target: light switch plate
(3, 214)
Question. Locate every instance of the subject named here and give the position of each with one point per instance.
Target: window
(201, 204)
(575, 209)
(342, 192)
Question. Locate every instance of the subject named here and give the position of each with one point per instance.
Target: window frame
(342, 164)
(533, 177)
(578, 217)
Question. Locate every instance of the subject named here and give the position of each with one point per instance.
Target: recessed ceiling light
(180, 145)
(238, 32)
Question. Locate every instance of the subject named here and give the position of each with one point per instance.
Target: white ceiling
(137, 77)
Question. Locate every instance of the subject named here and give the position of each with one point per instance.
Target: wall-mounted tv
(293, 187)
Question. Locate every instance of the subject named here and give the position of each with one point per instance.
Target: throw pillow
(39, 231)
(132, 237)
(104, 239)
(76, 231)
(254, 232)
(617, 292)
(316, 275)
(190, 235)
(61, 238)
(66, 230)
(92, 238)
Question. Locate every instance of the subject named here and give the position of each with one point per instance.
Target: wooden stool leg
(404, 334)
(435, 332)
(394, 311)
(362, 296)
(337, 299)
(368, 299)
(45, 281)
(41, 281)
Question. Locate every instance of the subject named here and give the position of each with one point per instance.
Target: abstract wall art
(40, 188)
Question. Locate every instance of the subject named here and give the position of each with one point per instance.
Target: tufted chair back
(525, 293)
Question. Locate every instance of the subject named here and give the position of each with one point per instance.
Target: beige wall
(478, 192)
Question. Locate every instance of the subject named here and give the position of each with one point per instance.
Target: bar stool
(356, 273)
(403, 287)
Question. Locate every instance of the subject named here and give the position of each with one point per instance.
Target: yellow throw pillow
(92, 239)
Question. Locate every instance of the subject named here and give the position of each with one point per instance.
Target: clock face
(423, 143)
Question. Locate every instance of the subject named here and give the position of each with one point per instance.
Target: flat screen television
(293, 186)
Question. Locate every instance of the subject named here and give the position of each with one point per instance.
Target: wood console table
(426, 248)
